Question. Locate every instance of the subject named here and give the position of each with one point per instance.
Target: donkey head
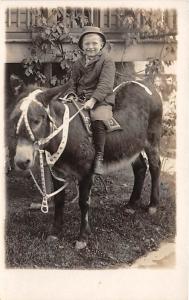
(32, 122)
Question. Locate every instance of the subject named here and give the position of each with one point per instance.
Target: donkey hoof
(129, 211)
(152, 210)
(52, 238)
(80, 245)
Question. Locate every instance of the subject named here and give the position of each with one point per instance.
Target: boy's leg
(99, 137)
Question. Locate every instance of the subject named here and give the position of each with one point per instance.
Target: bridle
(51, 159)
(24, 112)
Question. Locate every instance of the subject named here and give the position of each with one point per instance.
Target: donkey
(139, 112)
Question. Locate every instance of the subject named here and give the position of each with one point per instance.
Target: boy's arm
(106, 81)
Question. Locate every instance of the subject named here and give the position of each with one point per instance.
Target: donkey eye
(36, 122)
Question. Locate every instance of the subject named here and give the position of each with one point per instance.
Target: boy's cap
(88, 30)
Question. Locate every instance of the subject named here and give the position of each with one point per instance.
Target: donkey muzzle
(23, 165)
(24, 158)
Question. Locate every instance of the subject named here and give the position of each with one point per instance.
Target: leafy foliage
(153, 68)
(148, 25)
(51, 34)
(169, 118)
(33, 66)
(166, 86)
(144, 24)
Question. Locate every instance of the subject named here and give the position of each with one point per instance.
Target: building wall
(19, 34)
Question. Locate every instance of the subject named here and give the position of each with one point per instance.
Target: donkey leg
(84, 203)
(154, 167)
(58, 209)
(139, 170)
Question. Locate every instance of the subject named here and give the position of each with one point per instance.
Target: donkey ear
(52, 93)
(16, 112)
(17, 84)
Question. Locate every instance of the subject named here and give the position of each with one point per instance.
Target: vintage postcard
(94, 165)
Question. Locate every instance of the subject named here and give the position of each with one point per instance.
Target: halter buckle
(36, 146)
(44, 205)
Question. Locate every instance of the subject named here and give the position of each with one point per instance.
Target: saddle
(111, 125)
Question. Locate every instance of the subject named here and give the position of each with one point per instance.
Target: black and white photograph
(92, 150)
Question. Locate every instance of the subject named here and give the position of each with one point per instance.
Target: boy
(93, 79)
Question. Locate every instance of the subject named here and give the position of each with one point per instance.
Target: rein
(50, 159)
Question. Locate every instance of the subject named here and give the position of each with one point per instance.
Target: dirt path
(164, 257)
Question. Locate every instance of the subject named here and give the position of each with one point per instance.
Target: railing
(110, 20)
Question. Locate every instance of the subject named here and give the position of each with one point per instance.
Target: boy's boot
(99, 137)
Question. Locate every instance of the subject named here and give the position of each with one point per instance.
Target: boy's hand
(90, 103)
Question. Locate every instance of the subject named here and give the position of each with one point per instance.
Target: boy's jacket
(94, 80)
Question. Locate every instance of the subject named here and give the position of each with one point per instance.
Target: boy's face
(92, 44)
